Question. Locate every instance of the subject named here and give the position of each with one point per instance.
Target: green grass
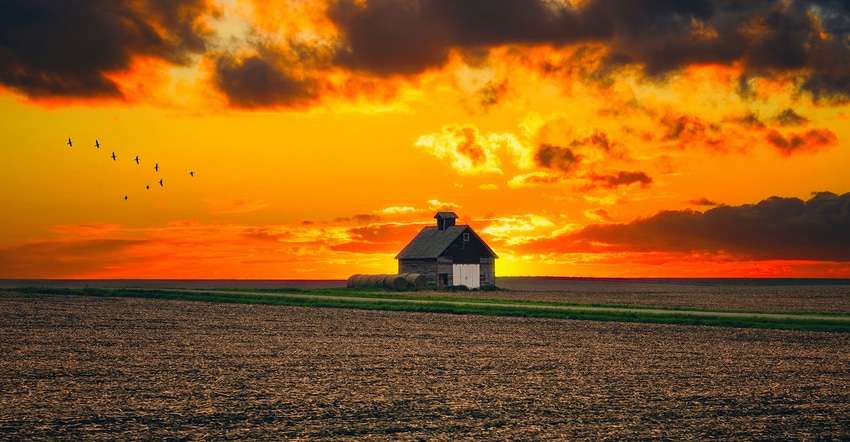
(382, 293)
(388, 301)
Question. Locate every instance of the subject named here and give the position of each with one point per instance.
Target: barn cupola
(445, 220)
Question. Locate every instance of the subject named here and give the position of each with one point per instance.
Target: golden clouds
(538, 178)
(468, 151)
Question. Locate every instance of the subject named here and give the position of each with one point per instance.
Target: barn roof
(431, 242)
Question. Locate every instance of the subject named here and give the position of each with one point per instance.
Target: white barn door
(466, 274)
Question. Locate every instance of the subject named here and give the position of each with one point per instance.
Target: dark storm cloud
(407, 37)
(766, 37)
(776, 228)
(264, 79)
(556, 157)
(66, 47)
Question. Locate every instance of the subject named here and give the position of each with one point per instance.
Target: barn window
(465, 237)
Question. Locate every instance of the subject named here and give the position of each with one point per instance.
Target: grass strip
(382, 293)
(433, 306)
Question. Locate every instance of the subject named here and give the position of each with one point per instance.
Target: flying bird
(191, 173)
(96, 144)
(113, 156)
(70, 143)
(125, 197)
(147, 187)
(137, 159)
(160, 183)
(156, 167)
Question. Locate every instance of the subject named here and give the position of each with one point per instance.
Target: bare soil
(115, 368)
(698, 294)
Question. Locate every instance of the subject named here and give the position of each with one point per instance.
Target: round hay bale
(353, 280)
(395, 282)
(360, 281)
(375, 280)
(416, 280)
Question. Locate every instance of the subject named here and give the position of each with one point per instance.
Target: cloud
(398, 210)
(598, 139)
(598, 215)
(749, 120)
(689, 130)
(620, 178)
(97, 230)
(468, 151)
(809, 141)
(378, 238)
(365, 218)
(439, 205)
(773, 229)
(56, 48)
(51, 48)
(556, 157)
(388, 37)
(539, 178)
(801, 39)
(385, 232)
(701, 202)
(790, 118)
(517, 229)
(270, 76)
(65, 259)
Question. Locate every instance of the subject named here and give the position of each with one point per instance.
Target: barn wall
(432, 268)
(421, 266)
(488, 271)
(444, 266)
(467, 252)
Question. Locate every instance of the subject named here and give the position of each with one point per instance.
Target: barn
(449, 254)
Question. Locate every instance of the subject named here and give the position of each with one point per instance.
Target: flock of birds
(115, 158)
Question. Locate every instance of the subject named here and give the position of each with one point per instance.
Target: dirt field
(701, 294)
(94, 368)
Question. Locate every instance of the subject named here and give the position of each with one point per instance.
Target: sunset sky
(595, 138)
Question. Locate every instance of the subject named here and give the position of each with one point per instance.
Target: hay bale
(353, 281)
(395, 282)
(375, 280)
(415, 280)
(361, 281)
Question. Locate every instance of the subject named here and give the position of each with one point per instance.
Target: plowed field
(118, 368)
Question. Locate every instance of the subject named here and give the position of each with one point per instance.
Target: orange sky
(590, 138)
